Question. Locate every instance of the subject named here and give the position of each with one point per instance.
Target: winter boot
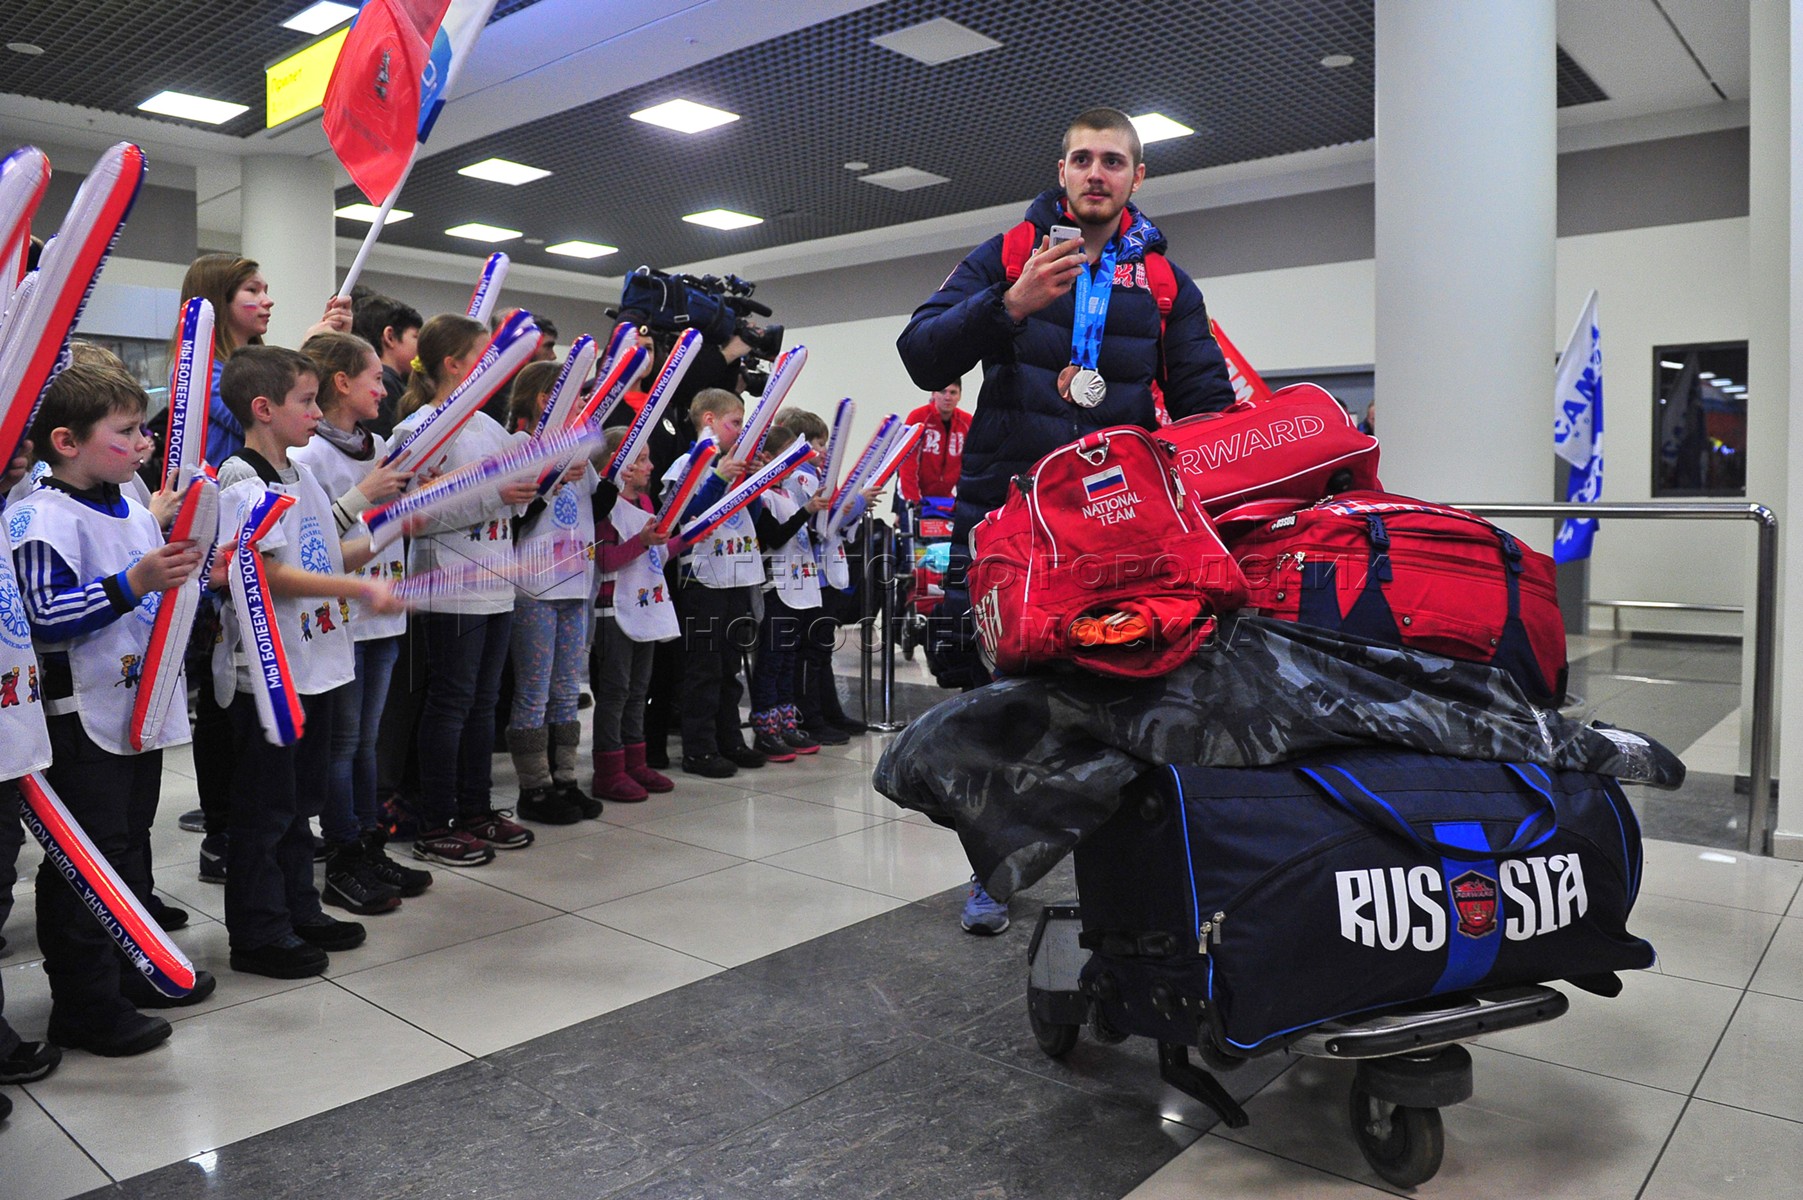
(648, 779)
(531, 760)
(769, 740)
(566, 737)
(612, 782)
(789, 718)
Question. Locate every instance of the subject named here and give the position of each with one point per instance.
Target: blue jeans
(351, 806)
(464, 657)
(550, 643)
(779, 645)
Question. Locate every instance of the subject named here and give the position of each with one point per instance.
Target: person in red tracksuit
(932, 469)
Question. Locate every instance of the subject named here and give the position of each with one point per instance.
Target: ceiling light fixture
(685, 116)
(367, 214)
(903, 179)
(320, 17)
(500, 170)
(476, 231)
(27, 48)
(1334, 62)
(723, 218)
(193, 108)
(855, 165)
(936, 41)
(1156, 127)
(1671, 366)
(576, 248)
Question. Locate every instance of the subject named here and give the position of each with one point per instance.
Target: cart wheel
(1055, 1039)
(1404, 1145)
(1101, 1030)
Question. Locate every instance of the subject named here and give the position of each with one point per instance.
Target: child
(92, 566)
(553, 544)
(714, 600)
(272, 909)
(633, 611)
(346, 460)
(466, 626)
(791, 600)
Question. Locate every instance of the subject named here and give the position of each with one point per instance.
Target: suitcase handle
(1368, 806)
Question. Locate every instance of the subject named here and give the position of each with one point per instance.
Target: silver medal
(1088, 388)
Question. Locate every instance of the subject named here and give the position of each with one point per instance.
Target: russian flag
(1104, 484)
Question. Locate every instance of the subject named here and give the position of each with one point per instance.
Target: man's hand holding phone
(1051, 271)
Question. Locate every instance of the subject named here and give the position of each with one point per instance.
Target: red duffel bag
(1299, 445)
(1409, 573)
(1098, 558)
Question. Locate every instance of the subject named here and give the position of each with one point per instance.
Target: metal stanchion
(866, 540)
(891, 597)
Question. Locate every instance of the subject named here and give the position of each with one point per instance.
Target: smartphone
(1061, 234)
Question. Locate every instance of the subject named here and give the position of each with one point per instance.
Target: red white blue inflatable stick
(514, 343)
(783, 373)
(639, 432)
(70, 853)
(15, 303)
(196, 520)
(701, 461)
(189, 385)
(900, 445)
(488, 287)
(278, 704)
(747, 490)
(566, 391)
(24, 174)
(625, 336)
(862, 471)
(388, 521)
(38, 338)
(837, 442)
(601, 402)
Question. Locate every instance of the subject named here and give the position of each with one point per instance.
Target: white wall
(858, 359)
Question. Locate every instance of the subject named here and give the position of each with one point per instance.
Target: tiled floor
(757, 989)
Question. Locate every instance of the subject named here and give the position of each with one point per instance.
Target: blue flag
(1578, 430)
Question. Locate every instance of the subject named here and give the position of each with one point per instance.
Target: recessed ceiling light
(903, 179)
(1156, 127)
(723, 218)
(499, 170)
(320, 17)
(24, 48)
(581, 249)
(193, 108)
(857, 166)
(684, 116)
(936, 41)
(1335, 61)
(476, 231)
(1671, 366)
(367, 214)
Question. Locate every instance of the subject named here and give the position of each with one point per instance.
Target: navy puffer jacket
(1020, 417)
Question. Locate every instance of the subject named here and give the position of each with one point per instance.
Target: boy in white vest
(272, 908)
(92, 566)
(718, 575)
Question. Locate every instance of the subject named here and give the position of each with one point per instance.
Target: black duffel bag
(1264, 901)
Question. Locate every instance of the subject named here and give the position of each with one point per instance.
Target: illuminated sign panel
(296, 85)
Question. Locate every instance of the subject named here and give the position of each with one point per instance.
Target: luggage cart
(1410, 1060)
(927, 524)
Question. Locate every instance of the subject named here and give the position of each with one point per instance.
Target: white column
(289, 231)
(1467, 160)
(1775, 229)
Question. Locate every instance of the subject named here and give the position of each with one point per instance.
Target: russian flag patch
(1103, 484)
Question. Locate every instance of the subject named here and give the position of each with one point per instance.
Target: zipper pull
(1220, 920)
(1203, 932)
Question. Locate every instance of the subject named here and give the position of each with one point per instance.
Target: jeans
(464, 656)
(269, 862)
(780, 640)
(622, 679)
(550, 644)
(351, 805)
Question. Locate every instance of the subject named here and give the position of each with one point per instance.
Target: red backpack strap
(1017, 245)
(1161, 281)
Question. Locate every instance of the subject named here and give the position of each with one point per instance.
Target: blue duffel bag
(1248, 905)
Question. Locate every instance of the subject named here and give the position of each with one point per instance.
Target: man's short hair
(713, 402)
(79, 398)
(254, 371)
(803, 422)
(372, 314)
(1106, 120)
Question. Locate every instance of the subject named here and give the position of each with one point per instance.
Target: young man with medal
(1064, 314)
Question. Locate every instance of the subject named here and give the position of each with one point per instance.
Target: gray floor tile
(1721, 1153)
(1756, 1066)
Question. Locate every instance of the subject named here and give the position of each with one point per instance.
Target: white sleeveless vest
(642, 604)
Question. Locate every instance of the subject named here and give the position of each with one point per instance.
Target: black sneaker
(137, 990)
(408, 881)
(544, 806)
(213, 850)
(798, 740)
(330, 934)
(29, 1062)
(166, 915)
(194, 821)
(352, 885)
(572, 794)
(133, 1034)
(453, 848)
(286, 958)
(849, 725)
(494, 828)
(767, 749)
(827, 735)
(743, 756)
(321, 851)
(709, 766)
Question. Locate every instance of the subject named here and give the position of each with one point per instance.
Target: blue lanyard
(1092, 293)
